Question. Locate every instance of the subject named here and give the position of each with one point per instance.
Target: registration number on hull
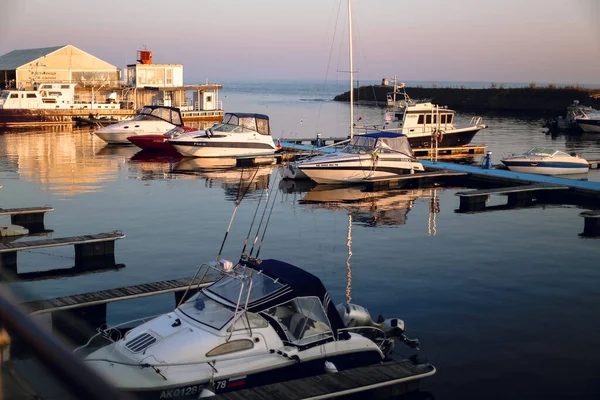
(181, 392)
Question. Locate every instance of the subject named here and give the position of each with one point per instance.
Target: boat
(260, 322)
(151, 120)
(425, 123)
(546, 162)
(368, 157)
(160, 142)
(589, 120)
(239, 135)
(569, 122)
(47, 104)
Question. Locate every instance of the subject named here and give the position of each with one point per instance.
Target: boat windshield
(4, 94)
(229, 288)
(541, 152)
(165, 114)
(360, 145)
(236, 124)
(207, 311)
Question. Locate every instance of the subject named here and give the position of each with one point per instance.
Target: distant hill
(533, 100)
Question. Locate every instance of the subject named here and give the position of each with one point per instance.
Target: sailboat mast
(351, 69)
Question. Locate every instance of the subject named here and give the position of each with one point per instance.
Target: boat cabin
(163, 113)
(385, 142)
(243, 123)
(292, 301)
(419, 117)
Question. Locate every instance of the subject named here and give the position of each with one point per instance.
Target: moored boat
(159, 142)
(371, 156)
(546, 162)
(589, 121)
(239, 135)
(152, 120)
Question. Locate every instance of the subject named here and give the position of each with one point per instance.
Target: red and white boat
(160, 142)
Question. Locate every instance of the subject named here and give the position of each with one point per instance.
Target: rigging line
(252, 223)
(267, 223)
(237, 204)
(269, 195)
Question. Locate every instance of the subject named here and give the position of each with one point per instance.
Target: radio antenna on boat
(240, 195)
(258, 230)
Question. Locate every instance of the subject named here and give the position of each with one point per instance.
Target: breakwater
(542, 101)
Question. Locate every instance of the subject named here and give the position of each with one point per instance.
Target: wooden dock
(109, 296)
(31, 218)
(86, 247)
(376, 381)
(417, 177)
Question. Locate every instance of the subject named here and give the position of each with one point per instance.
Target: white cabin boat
(152, 120)
(239, 135)
(589, 121)
(372, 156)
(425, 122)
(52, 96)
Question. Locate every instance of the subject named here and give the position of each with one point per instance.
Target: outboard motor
(355, 316)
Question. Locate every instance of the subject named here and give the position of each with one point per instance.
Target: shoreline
(539, 101)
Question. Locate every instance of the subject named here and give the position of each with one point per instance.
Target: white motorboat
(569, 121)
(239, 135)
(261, 322)
(152, 120)
(546, 162)
(589, 121)
(425, 122)
(368, 157)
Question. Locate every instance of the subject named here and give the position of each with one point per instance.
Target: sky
(542, 41)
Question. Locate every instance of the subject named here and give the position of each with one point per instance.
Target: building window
(208, 99)
(31, 96)
(64, 86)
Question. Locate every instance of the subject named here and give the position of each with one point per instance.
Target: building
(25, 69)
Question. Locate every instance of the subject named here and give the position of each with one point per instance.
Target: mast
(351, 71)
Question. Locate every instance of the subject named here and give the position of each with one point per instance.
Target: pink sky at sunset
(552, 41)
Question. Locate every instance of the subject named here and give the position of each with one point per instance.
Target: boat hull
(265, 377)
(355, 170)
(152, 143)
(547, 167)
(453, 138)
(589, 125)
(25, 117)
(215, 149)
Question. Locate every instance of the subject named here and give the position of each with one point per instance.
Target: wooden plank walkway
(352, 381)
(111, 295)
(31, 218)
(26, 210)
(54, 242)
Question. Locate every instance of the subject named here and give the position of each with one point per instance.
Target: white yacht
(423, 122)
(52, 96)
(152, 120)
(239, 135)
(546, 162)
(372, 156)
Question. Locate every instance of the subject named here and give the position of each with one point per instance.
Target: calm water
(505, 303)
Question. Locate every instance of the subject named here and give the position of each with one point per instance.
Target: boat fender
(206, 393)
(43, 93)
(330, 367)
(440, 136)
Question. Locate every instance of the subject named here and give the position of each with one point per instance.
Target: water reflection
(63, 161)
(368, 208)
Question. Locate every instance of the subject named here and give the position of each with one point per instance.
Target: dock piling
(591, 227)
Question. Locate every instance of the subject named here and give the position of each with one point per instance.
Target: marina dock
(31, 218)
(384, 380)
(87, 247)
